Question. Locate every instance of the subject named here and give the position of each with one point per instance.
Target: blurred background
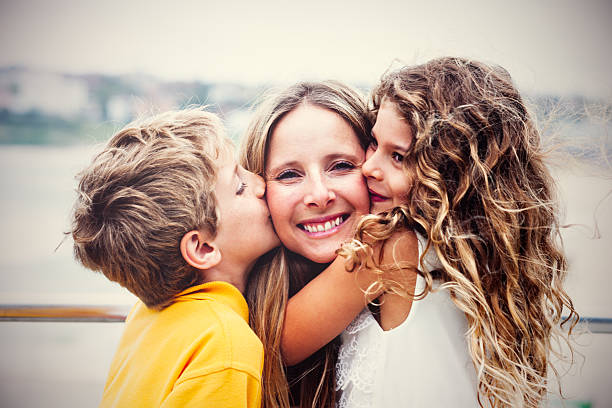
(73, 72)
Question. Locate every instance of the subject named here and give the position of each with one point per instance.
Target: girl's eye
(241, 188)
(287, 175)
(343, 165)
(397, 157)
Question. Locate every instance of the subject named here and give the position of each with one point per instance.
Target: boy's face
(245, 231)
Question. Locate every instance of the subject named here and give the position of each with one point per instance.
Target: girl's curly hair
(485, 199)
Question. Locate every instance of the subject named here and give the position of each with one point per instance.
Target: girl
(456, 155)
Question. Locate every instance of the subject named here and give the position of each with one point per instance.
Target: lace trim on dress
(363, 320)
(357, 361)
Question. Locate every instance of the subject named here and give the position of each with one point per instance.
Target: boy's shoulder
(210, 306)
(200, 342)
(210, 321)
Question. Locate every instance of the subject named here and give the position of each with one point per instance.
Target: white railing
(64, 313)
(118, 313)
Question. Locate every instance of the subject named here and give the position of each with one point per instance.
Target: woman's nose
(319, 194)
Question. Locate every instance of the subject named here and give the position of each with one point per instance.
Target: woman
(308, 142)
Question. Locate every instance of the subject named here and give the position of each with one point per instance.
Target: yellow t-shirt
(197, 352)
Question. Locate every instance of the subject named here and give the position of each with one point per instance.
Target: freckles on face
(315, 189)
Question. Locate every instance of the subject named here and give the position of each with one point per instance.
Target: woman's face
(315, 189)
(388, 182)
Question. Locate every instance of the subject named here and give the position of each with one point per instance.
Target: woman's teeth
(322, 227)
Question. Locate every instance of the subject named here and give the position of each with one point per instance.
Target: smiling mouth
(375, 197)
(324, 225)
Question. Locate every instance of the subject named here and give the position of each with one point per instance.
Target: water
(65, 364)
(49, 364)
(37, 186)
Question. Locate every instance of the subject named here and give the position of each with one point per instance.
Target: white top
(424, 362)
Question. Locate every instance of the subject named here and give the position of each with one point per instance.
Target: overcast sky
(556, 46)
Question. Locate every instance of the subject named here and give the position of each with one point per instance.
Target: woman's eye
(287, 175)
(397, 157)
(343, 165)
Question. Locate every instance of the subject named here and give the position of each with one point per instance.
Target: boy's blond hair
(152, 183)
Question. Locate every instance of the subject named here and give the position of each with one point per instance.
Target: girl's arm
(327, 304)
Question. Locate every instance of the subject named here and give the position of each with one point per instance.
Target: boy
(165, 211)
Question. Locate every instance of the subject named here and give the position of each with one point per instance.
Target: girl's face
(315, 189)
(387, 180)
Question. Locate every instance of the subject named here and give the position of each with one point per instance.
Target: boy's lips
(323, 226)
(374, 196)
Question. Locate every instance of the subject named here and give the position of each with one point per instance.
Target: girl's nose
(371, 169)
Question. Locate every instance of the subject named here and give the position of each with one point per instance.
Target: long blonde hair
(483, 196)
(283, 272)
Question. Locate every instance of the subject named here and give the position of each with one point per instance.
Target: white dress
(424, 362)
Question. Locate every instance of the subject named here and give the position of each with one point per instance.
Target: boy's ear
(199, 251)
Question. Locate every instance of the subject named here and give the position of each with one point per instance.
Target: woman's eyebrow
(328, 157)
(292, 163)
(341, 155)
(268, 173)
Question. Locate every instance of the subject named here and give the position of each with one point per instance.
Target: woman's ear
(199, 250)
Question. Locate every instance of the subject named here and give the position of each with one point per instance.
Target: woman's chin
(319, 257)
(326, 259)
(317, 250)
